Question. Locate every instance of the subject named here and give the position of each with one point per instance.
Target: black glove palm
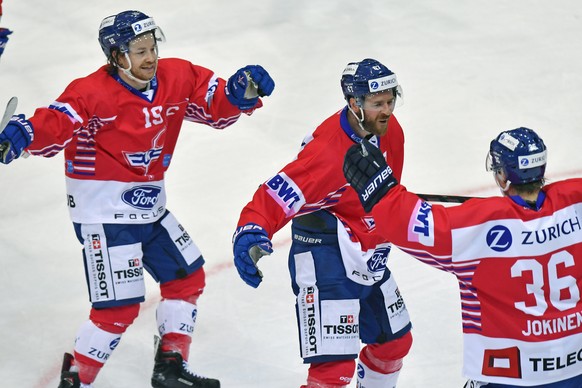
(366, 171)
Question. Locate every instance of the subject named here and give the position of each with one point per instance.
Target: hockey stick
(8, 112)
(444, 198)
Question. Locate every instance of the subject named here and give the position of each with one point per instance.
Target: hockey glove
(17, 135)
(366, 171)
(4, 32)
(250, 243)
(247, 84)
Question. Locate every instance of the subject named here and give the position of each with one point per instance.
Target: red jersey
(315, 180)
(119, 141)
(519, 273)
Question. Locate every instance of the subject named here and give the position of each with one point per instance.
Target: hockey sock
(386, 357)
(369, 378)
(92, 348)
(174, 342)
(379, 364)
(87, 368)
(114, 319)
(176, 319)
(334, 374)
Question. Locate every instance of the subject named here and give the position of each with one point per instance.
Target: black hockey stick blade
(444, 198)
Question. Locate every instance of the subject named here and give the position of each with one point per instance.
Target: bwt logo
(286, 192)
(422, 226)
(142, 197)
(499, 238)
(378, 261)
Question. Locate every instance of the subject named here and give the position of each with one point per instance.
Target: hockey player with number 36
(344, 292)
(517, 258)
(118, 128)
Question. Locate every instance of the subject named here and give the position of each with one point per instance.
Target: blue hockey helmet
(117, 31)
(367, 77)
(520, 154)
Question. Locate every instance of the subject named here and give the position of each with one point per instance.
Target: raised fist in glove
(17, 135)
(4, 32)
(245, 86)
(250, 243)
(366, 171)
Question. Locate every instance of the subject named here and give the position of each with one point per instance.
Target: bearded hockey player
(344, 293)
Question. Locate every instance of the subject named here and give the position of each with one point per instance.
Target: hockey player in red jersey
(118, 128)
(345, 295)
(517, 258)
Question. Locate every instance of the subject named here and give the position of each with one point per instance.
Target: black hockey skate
(69, 379)
(170, 371)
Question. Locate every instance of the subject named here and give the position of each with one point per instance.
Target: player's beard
(146, 74)
(378, 126)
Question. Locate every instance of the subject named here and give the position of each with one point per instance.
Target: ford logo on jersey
(377, 262)
(499, 238)
(142, 197)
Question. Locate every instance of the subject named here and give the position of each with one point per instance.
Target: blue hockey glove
(4, 32)
(247, 84)
(17, 135)
(368, 173)
(250, 243)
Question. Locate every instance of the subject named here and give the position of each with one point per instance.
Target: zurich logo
(142, 197)
(524, 162)
(361, 372)
(114, 343)
(499, 238)
(377, 262)
(374, 85)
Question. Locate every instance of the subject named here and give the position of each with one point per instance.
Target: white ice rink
(469, 69)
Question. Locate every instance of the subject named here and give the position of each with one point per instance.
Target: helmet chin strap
(360, 120)
(128, 73)
(501, 187)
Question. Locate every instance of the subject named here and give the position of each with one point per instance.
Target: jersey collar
(147, 95)
(347, 128)
(538, 204)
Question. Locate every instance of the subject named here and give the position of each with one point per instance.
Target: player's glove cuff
(250, 243)
(17, 135)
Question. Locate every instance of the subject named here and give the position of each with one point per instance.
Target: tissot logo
(499, 238)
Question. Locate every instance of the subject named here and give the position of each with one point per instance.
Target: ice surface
(469, 69)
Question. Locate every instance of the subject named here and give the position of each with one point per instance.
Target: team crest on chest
(145, 158)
